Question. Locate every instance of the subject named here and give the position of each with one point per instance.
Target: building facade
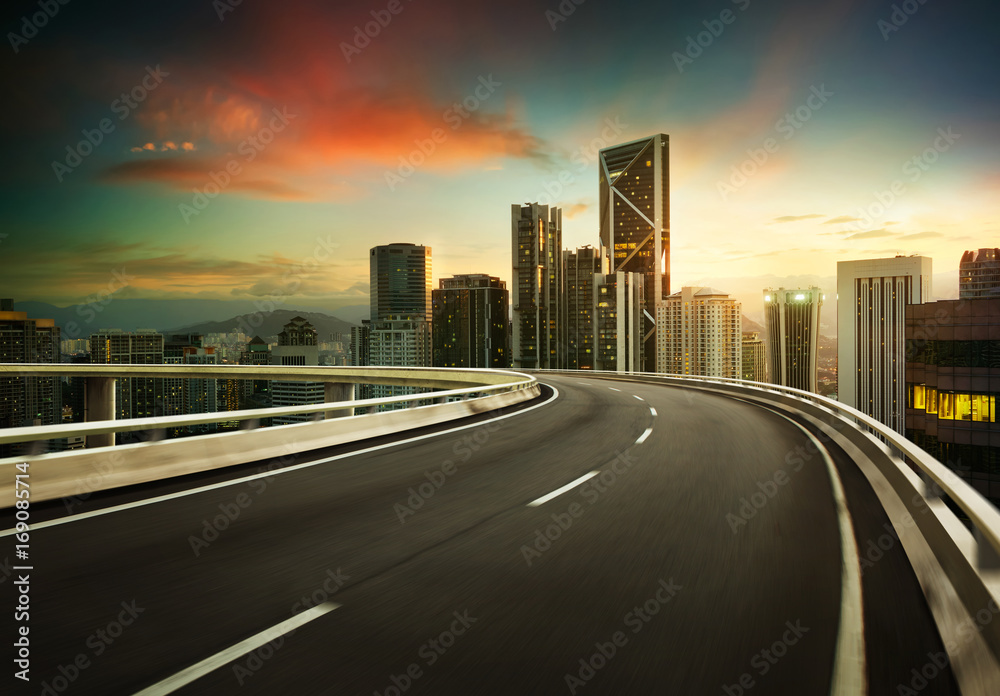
(754, 361)
(979, 274)
(953, 386)
(871, 346)
(28, 400)
(135, 397)
(584, 272)
(538, 340)
(698, 332)
(791, 320)
(619, 320)
(635, 220)
(469, 323)
(297, 345)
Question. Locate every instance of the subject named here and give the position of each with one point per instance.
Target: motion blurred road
(702, 557)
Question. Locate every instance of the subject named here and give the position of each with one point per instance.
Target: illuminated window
(932, 400)
(947, 410)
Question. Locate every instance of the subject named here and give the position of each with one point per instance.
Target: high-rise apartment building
(618, 319)
(698, 332)
(584, 271)
(754, 357)
(635, 220)
(470, 322)
(953, 386)
(28, 400)
(297, 345)
(979, 274)
(872, 296)
(538, 340)
(135, 397)
(791, 320)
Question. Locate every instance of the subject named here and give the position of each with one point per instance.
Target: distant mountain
(79, 321)
(270, 324)
(750, 325)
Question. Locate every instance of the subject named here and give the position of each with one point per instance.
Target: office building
(538, 340)
(754, 361)
(635, 220)
(791, 321)
(620, 303)
(400, 282)
(584, 271)
(255, 393)
(953, 386)
(979, 274)
(28, 400)
(872, 297)
(698, 332)
(296, 346)
(470, 322)
(135, 397)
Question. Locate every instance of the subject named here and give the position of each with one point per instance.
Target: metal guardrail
(984, 516)
(486, 382)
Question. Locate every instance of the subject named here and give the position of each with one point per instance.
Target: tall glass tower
(635, 220)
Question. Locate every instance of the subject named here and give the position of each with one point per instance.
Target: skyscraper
(28, 400)
(872, 296)
(979, 274)
(618, 321)
(584, 270)
(297, 345)
(538, 339)
(791, 319)
(698, 332)
(635, 219)
(400, 281)
(754, 357)
(255, 393)
(470, 322)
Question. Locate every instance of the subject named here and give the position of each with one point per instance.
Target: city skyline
(330, 179)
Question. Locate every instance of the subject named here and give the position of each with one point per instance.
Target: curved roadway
(702, 557)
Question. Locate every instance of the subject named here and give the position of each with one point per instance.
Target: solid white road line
(849, 668)
(639, 398)
(185, 677)
(653, 411)
(642, 438)
(560, 491)
(274, 472)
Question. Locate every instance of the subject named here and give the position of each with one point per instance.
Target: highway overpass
(597, 534)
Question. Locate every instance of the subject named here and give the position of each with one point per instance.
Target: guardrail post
(99, 405)
(338, 391)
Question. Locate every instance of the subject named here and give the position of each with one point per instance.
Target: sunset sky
(315, 132)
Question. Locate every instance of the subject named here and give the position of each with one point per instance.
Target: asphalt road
(703, 557)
